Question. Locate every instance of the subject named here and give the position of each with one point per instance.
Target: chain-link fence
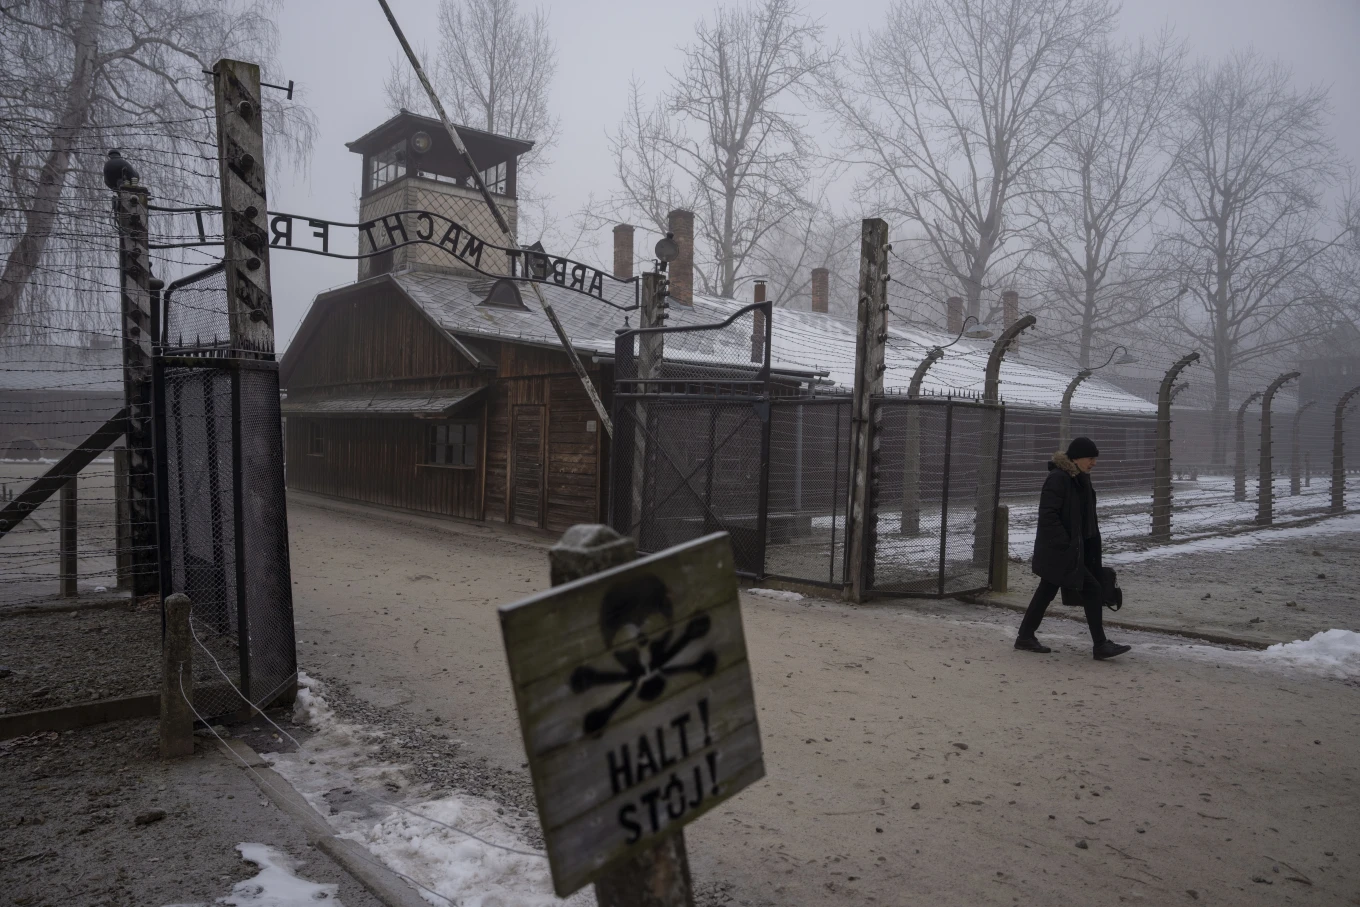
(692, 435)
(224, 524)
(809, 489)
(936, 494)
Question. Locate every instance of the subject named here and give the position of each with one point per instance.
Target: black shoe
(1031, 645)
(1109, 649)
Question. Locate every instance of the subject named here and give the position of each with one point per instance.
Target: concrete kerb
(353, 857)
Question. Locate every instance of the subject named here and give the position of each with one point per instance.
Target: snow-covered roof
(804, 343)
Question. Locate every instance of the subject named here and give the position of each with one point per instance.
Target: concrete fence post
(1001, 549)
(1240, 461)
(177, 680)
(989, 446)
(871, 335)
(1339, 451)
(911, 455)
(1295, 458)
(1265, 497)
(1161, 462)
(658, 877)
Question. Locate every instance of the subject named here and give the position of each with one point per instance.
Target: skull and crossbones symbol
(635, 611)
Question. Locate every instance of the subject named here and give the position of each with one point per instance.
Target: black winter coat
(1061, 555)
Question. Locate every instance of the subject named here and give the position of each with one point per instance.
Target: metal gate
(222, 516)
(691, 443)
(936, 486)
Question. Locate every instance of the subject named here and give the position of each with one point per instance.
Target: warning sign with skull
(635, 701)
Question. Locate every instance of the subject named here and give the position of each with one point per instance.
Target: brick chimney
(821, 290)
(623, 251)
(954, 311)
(758, 325)
(681, 225)
(1010, 308)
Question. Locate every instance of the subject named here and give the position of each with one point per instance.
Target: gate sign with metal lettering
(635, 701)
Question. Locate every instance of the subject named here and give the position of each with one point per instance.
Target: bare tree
(813, 236)
(1107, 171)
(83, 76)
(1247, 192)
(952, 106)
(720, 140)
(494, 71)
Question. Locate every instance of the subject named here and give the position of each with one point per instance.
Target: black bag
(1111, 596)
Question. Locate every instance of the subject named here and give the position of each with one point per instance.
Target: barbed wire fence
(1214, 467)
(73, 544)
(62, 380)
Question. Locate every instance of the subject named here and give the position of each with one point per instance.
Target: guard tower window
(387, 166)
(494, 177)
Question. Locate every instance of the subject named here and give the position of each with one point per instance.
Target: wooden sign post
(636, 705)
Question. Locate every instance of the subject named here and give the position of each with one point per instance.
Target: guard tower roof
(486, 148)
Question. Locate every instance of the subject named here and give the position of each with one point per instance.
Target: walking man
(1067, 548)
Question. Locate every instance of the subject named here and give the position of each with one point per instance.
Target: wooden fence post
(68, 535)
(658, 877)
(177, 680)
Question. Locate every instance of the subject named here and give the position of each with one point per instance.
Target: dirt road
(913, 756)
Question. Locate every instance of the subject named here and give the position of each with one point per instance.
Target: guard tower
(410, 164)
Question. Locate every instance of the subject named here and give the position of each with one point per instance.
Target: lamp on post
(1161, 464)
(1065, 416)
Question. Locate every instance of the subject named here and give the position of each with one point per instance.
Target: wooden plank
(527, 467)
(635, 703)
(49, 482)
(71, 717)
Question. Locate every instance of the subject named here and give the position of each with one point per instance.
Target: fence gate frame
(988, 483)
(640, 385)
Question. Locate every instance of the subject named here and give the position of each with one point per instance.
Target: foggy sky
(338, 51)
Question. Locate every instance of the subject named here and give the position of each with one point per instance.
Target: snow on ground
(276, 885)
(776, 594)
(338, 774)
(1202, 508)
(1332, 652)
(1348, 523)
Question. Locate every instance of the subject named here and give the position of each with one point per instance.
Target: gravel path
(79, 656)
(79, 825)
(912, 755)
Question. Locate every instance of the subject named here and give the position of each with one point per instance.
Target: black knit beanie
(1082, 447)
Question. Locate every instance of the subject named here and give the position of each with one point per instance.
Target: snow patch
(340, 775)
(777, 594)
(1240, 542)
(276, 885)
(464, 870)
(1332, 652)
